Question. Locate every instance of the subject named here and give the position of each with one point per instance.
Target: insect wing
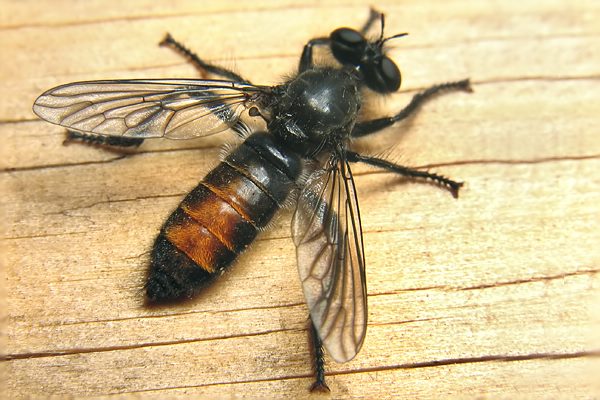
(328, 235)
(145, 108)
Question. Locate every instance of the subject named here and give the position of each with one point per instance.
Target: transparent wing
(144, 108)
(328, 235)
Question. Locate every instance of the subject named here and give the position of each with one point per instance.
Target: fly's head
(351, 48)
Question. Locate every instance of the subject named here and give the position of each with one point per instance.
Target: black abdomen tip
(172, 275)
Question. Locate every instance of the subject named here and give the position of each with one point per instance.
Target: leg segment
(100, 140)
(368, 127)
(199, 63)
(306, 59)
(319, 385)
(373, 16)
(412, 173)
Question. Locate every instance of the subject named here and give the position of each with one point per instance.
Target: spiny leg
(367, 127)
(319, 357)
(101, 140)
(451, 185)
(200, 64)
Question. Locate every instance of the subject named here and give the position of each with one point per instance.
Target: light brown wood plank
(491, 295)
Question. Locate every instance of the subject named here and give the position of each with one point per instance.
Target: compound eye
(384, 76)
(348, 46)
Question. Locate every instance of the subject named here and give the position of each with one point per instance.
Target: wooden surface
(494, 295)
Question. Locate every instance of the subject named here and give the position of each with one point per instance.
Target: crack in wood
(108, 161)
(66, 211)
(78, 351)
(47, 235)
(533, 279)
(176, 314)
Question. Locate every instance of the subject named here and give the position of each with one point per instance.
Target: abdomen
(221, 217)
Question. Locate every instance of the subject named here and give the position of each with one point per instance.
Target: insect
(304, 155)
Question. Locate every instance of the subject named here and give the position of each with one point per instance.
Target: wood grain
(494, 295)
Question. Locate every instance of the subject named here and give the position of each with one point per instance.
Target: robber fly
(306, 148)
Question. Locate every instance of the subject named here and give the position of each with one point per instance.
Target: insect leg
(198, 62)
(373, 16)
(451, 185)
(319, 385)
(100, 140)
(374, 125)
(306, 59)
